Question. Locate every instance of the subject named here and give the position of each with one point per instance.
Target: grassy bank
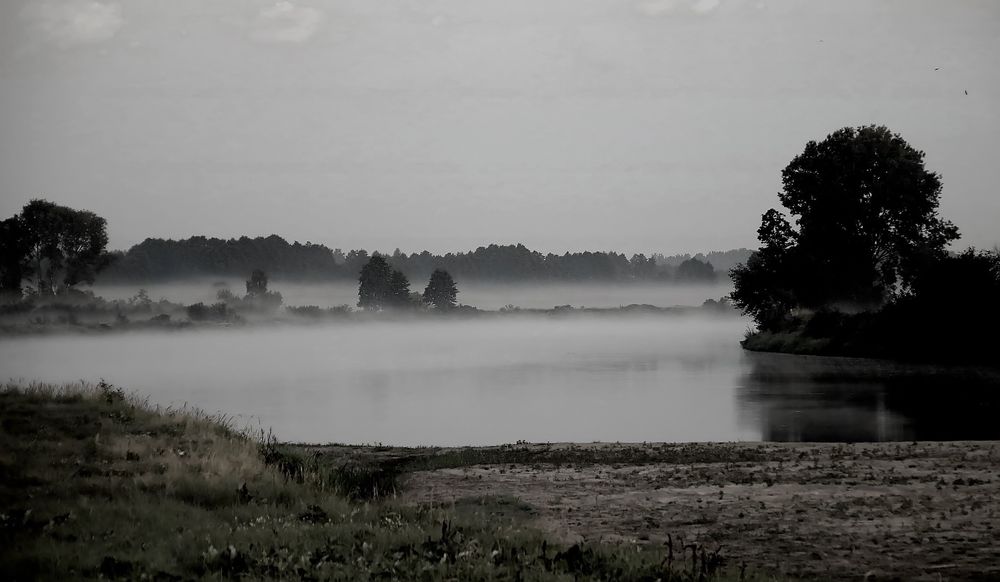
(793, 342)
(97, 483)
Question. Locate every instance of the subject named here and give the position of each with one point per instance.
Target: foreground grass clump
(95, 483)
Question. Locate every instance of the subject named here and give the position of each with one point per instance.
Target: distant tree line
(159, 260)
(722, 261)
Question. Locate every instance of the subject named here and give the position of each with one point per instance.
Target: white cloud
(284, 22)
(70, 23)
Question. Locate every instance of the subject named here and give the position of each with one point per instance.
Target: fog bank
(481, 295)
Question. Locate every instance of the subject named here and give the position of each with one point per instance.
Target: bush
(217, 312)
(305, 311)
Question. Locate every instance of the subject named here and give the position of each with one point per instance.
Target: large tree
(373, 284)
(441, 291)
(865, 219)
(399, 290)
(53, 246)
(13, 256)
(381, 286)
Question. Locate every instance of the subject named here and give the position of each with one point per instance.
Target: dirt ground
(920, 511)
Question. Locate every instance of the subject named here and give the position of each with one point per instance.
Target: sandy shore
(908, 511)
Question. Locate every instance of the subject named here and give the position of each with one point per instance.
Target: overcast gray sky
(649, 125)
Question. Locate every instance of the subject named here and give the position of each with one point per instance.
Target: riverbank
(947, 333)
(801, 343)
(95, 482)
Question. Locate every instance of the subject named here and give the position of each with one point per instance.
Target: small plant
(361, 481)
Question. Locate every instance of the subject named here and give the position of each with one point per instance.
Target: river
(537, 378)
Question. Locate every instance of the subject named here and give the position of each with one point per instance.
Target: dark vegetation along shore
(98, 484)
(863, 268)
(51, 252)
(74, 311)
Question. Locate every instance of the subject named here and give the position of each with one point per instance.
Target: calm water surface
(490, 381)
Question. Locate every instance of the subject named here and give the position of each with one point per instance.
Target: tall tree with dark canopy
(381, 286)
(56, 246)
(399, 290)
(373, 284)
(257, 283)
(441, 291)
(865, 221)
(13, 255)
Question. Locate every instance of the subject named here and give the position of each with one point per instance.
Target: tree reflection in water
(821, 399)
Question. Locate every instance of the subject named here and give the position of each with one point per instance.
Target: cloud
(75, 22)
(284, 22)
(667, 7)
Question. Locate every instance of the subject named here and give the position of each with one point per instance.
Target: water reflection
(801, 398)
(491, 381)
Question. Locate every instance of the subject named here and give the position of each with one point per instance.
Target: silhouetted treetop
(398, 295)
(53, 247)
(374, 283)
(441, 291)
(865, 220)
(865, 209)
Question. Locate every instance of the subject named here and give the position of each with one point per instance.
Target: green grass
(95, 483)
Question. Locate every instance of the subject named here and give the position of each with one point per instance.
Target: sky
(627, 125)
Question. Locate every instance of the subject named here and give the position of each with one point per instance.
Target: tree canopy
(373, 284)
(441, 291)
(865, 220)
(380, 286)
(399, 290)
(53, 247)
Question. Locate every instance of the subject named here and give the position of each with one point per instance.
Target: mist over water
(481, 295)
(497, 380)
(449, 382)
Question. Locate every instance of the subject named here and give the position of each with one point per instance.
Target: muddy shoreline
(908, 511)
